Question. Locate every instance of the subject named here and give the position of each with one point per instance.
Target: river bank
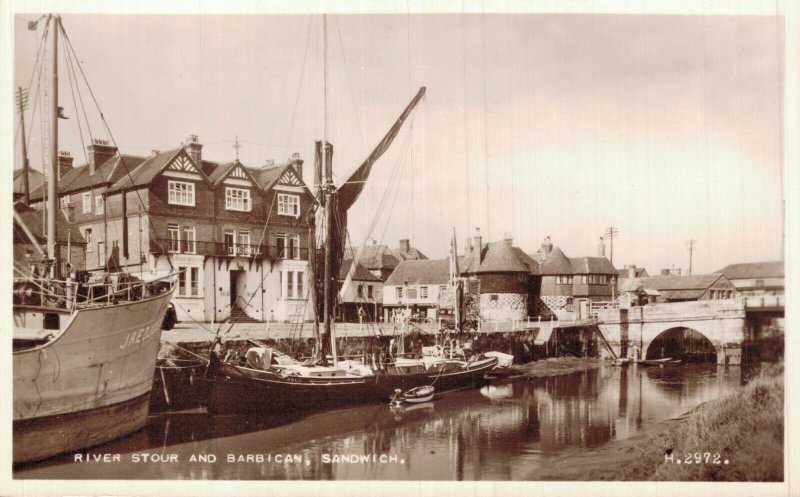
(742, 434)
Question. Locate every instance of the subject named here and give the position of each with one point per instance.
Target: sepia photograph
(297, 247)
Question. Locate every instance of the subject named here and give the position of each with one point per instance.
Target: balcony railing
(222, 249)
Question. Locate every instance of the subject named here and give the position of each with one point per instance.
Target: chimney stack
(601, 248)
(632, 271)
(99, 152)
(297, 162)
(405, 246)
(508, 241)
(477, 243)
(269, 163)
(547, 247)
(194, 149)
(64, 163)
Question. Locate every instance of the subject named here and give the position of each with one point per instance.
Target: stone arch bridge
(630, 331)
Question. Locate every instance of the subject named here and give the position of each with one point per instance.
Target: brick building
(237, 234)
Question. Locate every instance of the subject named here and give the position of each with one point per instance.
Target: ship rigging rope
(36, 62)
(71, 61)
(121, 158)
(73, 84)
(300, 85)
(359, 115)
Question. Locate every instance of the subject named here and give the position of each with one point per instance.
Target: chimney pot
(64, 163)
(547, 247)
(297, 162)
(99, 152)
(477, 244)
(405, 246)
(194, 148)
(269, 163)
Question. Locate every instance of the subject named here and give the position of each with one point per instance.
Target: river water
(498, 432)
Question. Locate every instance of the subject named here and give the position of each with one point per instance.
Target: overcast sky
(667, 127)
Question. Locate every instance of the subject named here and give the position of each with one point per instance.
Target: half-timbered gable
(239, 208)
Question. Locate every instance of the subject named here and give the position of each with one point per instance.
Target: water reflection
(500, 432)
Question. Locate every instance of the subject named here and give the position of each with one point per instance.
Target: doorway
(237, 286)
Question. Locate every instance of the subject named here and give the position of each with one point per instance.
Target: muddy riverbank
(551, 367)
(736, 438)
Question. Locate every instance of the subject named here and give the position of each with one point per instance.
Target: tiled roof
(501, 257)
(33, 220)
(109, 172)
(146, 171)
(592, 265)
(555, 263)
(423, 272)
(749, 270)
(267, 176)
(220, 171)
(360, 274)
(208, 166)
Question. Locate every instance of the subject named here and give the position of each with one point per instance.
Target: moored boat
(416, 395)
(655, 362)
(87, 380)
(264, 385)
(84, 353)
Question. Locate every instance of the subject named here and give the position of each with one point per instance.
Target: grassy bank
(746, 428)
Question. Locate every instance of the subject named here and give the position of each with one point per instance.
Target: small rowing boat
(416, 395)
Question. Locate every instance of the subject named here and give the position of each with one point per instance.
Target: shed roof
(688, 285)
(750, 270)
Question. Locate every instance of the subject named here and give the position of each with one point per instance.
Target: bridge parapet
(682, 311)
(765, 301)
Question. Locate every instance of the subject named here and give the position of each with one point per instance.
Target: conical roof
(501, 258)
(555, 263)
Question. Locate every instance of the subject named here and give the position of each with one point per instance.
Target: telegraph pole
(22, 104)
(690, 244)
(609, 235)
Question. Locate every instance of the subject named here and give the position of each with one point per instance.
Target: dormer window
(181, 193)
(238, 199)
(288, 205)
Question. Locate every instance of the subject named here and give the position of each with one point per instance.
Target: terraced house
(237, 234)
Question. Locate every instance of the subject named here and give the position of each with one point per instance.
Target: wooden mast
(327, 171)
(22, 103)
(52, 181)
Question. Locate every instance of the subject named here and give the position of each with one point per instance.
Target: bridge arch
(687, 343)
